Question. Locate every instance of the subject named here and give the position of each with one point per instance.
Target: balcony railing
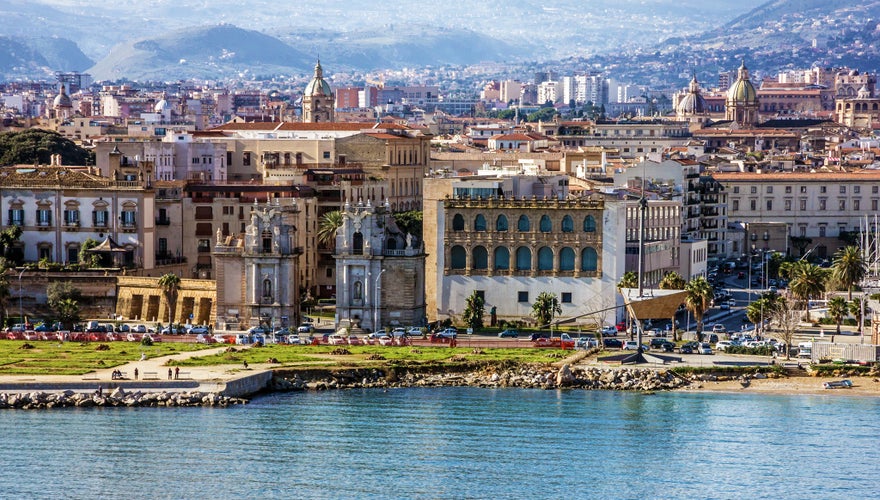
(163, 221)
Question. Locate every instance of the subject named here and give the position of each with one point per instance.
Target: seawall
(246, 385)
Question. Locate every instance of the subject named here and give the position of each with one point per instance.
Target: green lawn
(75, 358)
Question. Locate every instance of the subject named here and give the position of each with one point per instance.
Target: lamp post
(377, 288)
(20, 310)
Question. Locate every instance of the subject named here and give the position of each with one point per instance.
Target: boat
(838, 384)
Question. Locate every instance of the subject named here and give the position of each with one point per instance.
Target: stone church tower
(317, 102)
(742, 100)
(380, 271)
(257, 271)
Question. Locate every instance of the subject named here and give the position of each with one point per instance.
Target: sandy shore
(862, 386)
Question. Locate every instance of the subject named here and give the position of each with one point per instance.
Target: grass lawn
(75, 358)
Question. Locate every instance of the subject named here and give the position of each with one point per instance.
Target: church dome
(318, 86)
(162, 106)
(62, 100)
(742, 91)
(693, 103)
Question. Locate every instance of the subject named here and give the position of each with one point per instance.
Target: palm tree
(855, 309)
(698, 299)
(330, 222)
(545, 307)
(673, 281)
(169, 283)
(474, 309)
(68, 312)
(4, 291)
(765, 307)
(629, 280)
(837, 309)
(807, 281)
(849, 268)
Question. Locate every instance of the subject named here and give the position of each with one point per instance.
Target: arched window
(481, 258)
(566, 259)
(523, 224)
(501, 223)
(502, 258)
(589, 224)
(545, 225)
(480, 223)
(457, 222)
(589, 259)
(523, 259)
(458, 257)
(545, 259)
(567, 224)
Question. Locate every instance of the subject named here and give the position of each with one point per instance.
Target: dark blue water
(452, 443)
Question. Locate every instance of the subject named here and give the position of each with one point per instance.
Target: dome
(161, 106)
(742, 90)
(318, 86)
(62, 100)
(693, 103)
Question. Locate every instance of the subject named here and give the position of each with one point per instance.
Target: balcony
(163, 221)
(166, 259)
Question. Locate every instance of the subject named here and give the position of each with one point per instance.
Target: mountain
(209, 52)
(24, 57)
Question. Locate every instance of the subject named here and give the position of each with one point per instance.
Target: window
(735, 205)
(565, 297)
(128, 218)
(787, 205)
(163, 245)
(246, 159)
(589, 259)
(44, 217)
(481, 258)
(822, 231)
(822, 204)
(753, 205)
(874, 205)
(99, 218)
(523, 224)
(856, 205)
(545, 259)
(501, 223)
(523, 259)
(480, 223)
(823, 189)
(589, 224)
(522, 296)
(566, 259)
(458, 258)
(875, 189)
(502, 258)
(16, 217)
(802, 204)
(567, 224)
(787, 189)
(457, 222)
(546, 226)
(857, 189)
(769, 205)
(326, 155)
(735, 189)
(841, 205)
(842, 189)
(71, 217)
(769, 189)
(803, 189)
(204, 245)
(754, 190)
(329, 272)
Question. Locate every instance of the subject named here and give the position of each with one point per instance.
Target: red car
(621, 327)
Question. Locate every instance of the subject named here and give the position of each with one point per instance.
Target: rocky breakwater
(118, 397)
(521, 376)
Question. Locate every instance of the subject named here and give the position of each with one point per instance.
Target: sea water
(452, 443)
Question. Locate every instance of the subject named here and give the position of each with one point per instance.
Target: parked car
(609, 330)
(723, 345)
(704, 348)
(586, 342)
(448, 333)
(294, 339)
(718, 328)
(398, 332)
(203, 338)
(688, 347)
(415, 332)
(508, 333)
(620, 326)
(632, 345)
(613, 343)
(198, 330)
(305, 328)
(337, 339)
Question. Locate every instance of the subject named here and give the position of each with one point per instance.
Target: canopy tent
(110, 248)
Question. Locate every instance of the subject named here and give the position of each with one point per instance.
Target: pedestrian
(135, 373)
(245, 365)
(143, 356)
(169, 374)
(176, 372)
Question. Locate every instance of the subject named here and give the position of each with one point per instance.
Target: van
(805, 350)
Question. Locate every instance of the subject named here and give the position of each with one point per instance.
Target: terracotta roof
(861, 175)
(743, 132)
(513, 137)
(50, 177)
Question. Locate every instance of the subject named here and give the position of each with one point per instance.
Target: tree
(855, 309)
(629, 280)
(169, 283)
(8, 238)
(474, 309)
(807, 281)
(410, 222)
(698, 299)
(4, 290)
(545, 307)
(330, 222)
(37, 146)
(849, 268)
(89, 259)
(61, 290)
(67, 311)
(837, 309)
(763, 308)
(673, 281)
(785, 317)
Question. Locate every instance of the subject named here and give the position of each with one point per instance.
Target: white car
(719, 328)
(398, 332)
(632, 345)
(414, 332)
(305, 328)
(609, 330)
(722, 345)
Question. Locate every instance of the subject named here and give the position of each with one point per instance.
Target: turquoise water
(452, 443)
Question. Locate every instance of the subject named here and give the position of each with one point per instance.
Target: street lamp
(20, 310)
(377, 288)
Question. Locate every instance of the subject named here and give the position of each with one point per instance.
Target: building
(742, 100)
(380, 271)
(861, 112)
(317, 101)
(511, 237)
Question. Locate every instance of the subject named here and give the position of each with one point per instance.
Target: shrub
(755, 351)
(147, 341)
